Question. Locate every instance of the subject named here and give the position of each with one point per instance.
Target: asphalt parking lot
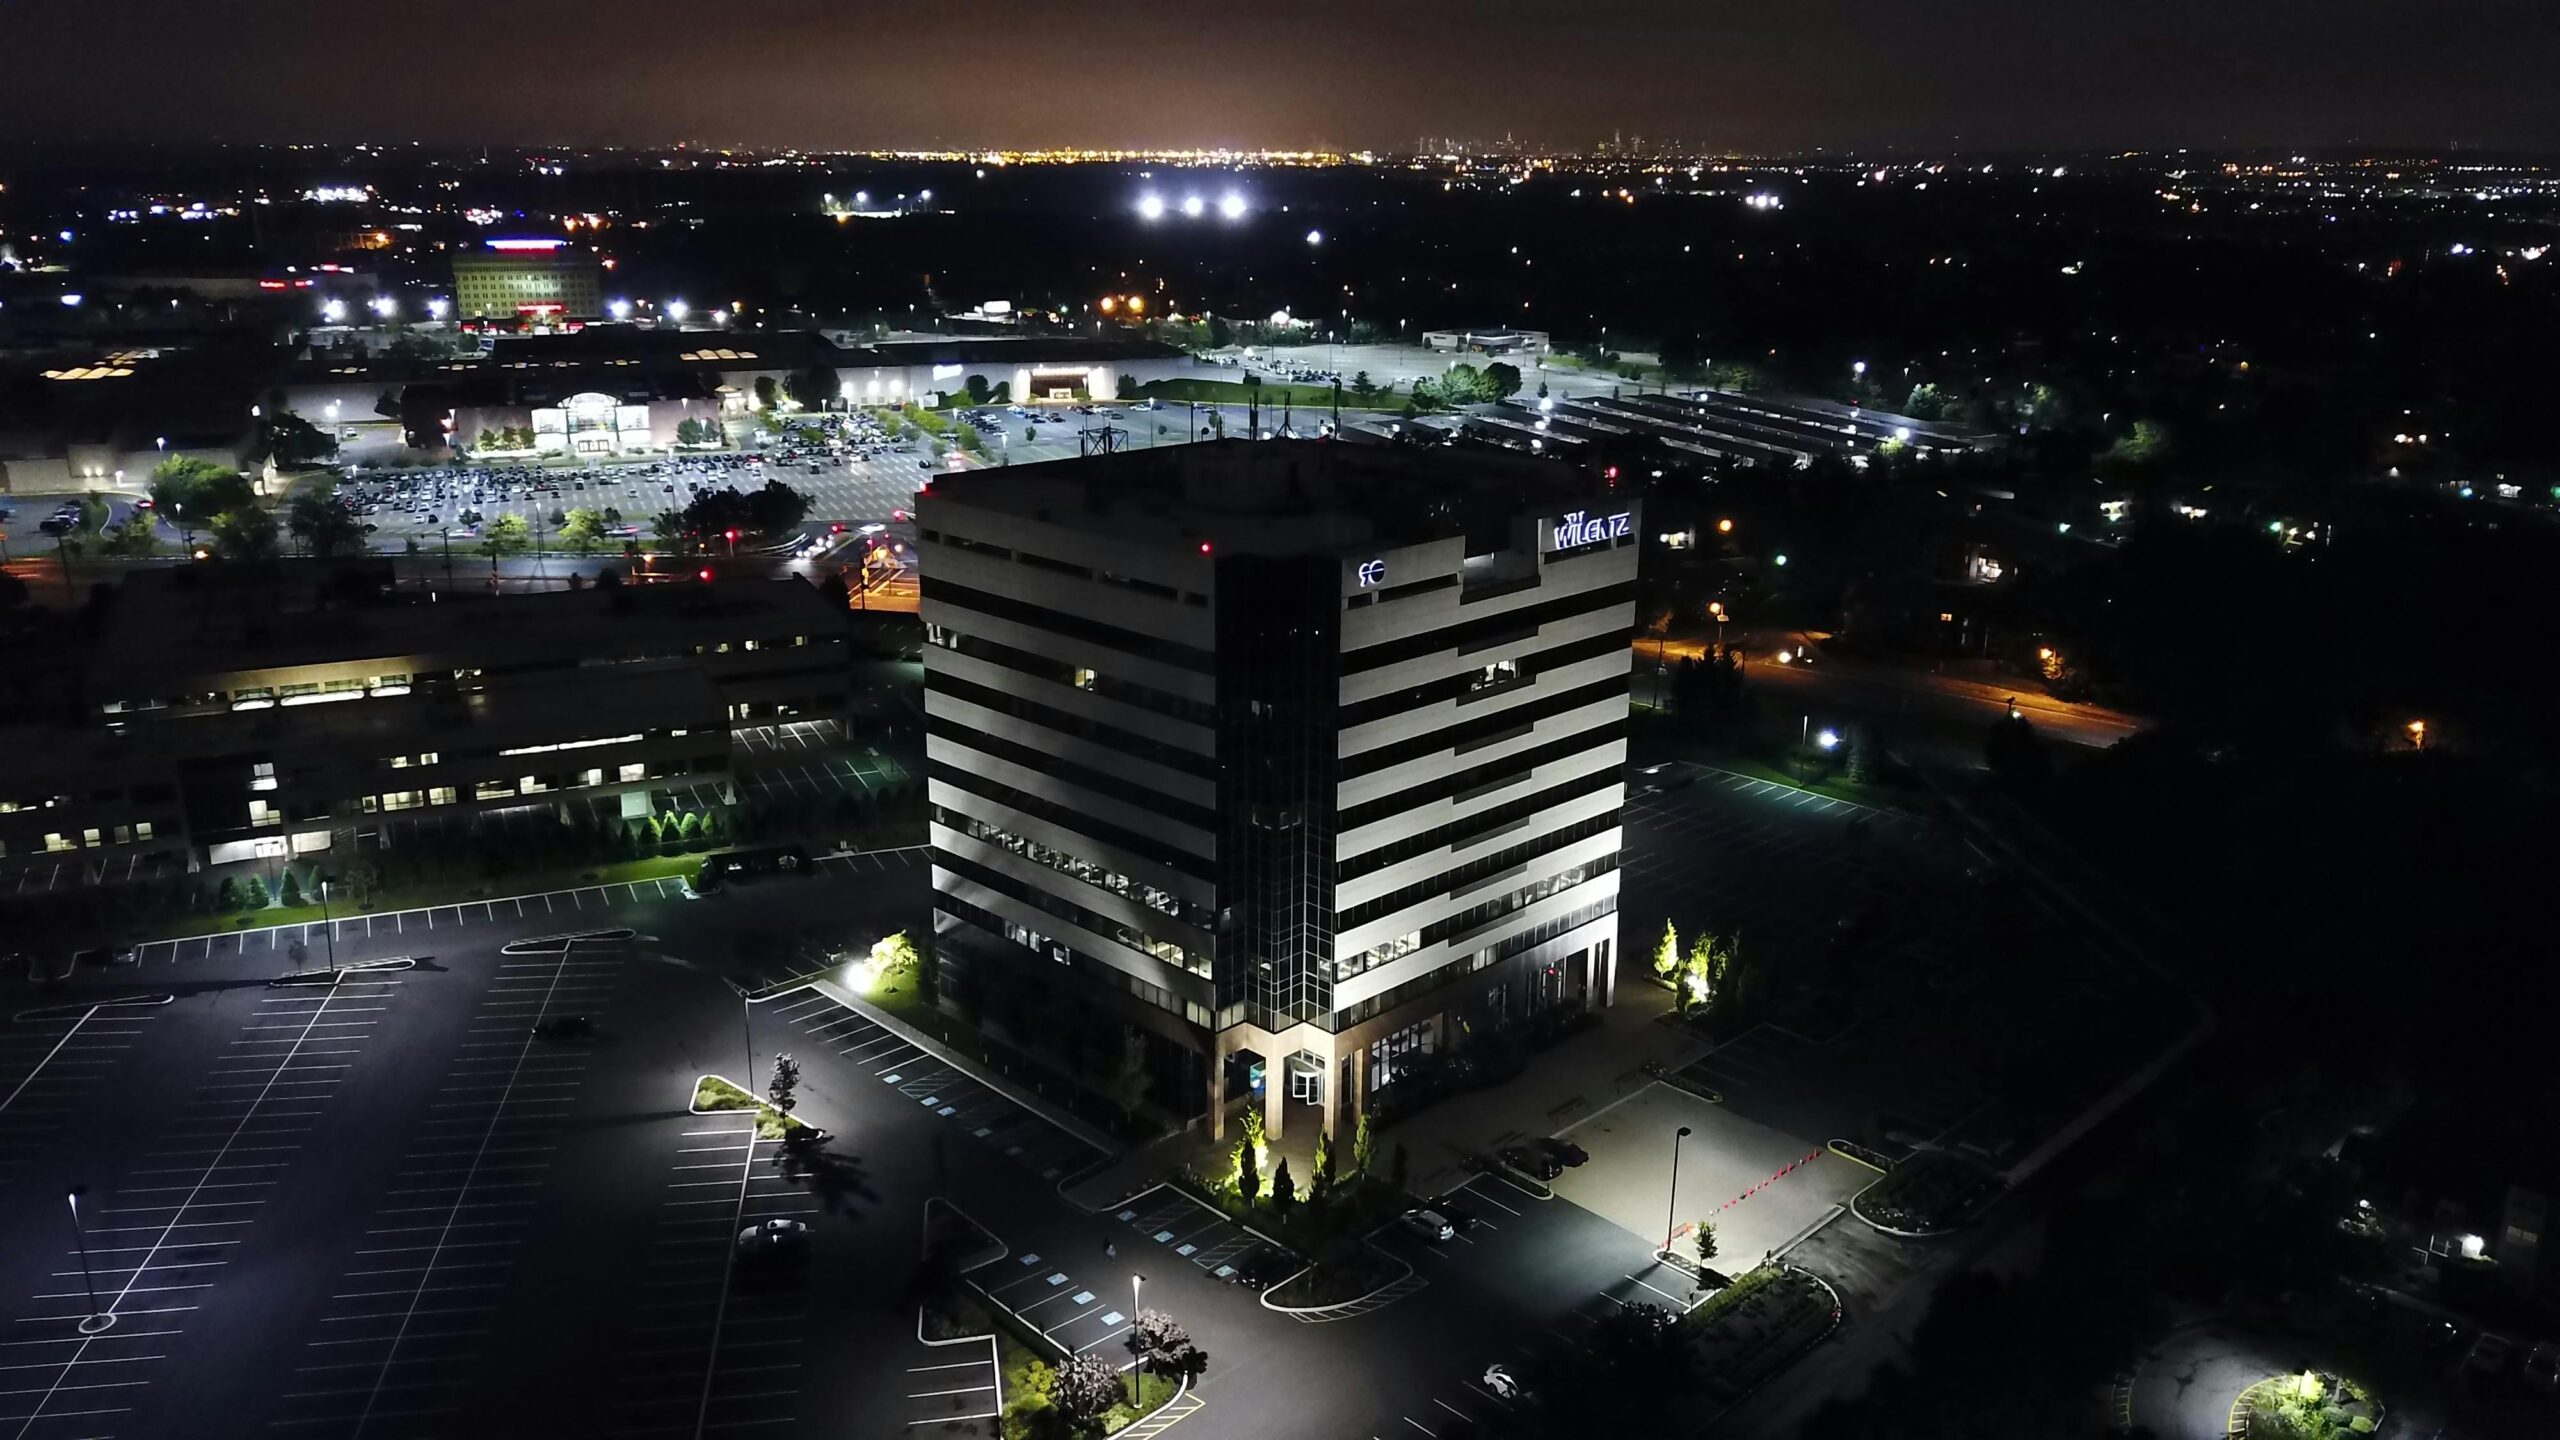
(1761, 1187)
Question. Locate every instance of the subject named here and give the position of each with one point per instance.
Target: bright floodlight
(1828, 739)
(1194, 206)
(924, 195)
(385, 306)
(1315, 237)
(1859, 368)
(1150, 207)
(677, 309)
(619, 309)
(333, 311)
(436, 308)
(1901, 432)
(1231, 205)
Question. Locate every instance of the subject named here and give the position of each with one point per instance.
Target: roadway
(1903, 694)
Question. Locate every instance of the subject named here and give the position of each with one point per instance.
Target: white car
(1501, 1383)
(1428, 1224)
(772, 1239)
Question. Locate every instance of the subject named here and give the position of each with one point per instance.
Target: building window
(56, 840)
(262, 776)
(91, 838)
(629, 773)
(440, 795)
(262, 813)
(124, 834)
(142, 830)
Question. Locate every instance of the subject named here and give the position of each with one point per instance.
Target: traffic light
(733, 537)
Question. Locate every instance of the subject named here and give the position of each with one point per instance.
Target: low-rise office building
(1297, 757)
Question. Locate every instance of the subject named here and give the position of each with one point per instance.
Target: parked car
(1563, 1151)
(1503, 1385)
(563, 1027)
(2542, 1367)
(1456, 1214)
(2489, 1353)
(774, 1239)
(105, 955)
(1534, 1163)
(1427, 1224)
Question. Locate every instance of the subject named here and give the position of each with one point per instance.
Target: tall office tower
(1271, 766)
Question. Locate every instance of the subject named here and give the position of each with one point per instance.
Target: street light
(328, 927)
(2418, 734)
(1671, 1218)
(1136, 1280)
(677, 309)
(96, 1320)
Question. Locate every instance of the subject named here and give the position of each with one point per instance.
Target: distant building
(1295, 758)
(1489, 342)
(532, 279)
(254, 712)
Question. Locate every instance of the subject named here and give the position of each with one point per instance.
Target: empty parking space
(956, 1384)
(401, 1332)
(1188, 1230)
(161, 1236)
(1762, 1187)
(1080, 1307)
(53, 1059)
(716, 1345)
(921, 1079)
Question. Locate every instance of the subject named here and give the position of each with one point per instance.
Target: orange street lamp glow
(1724, 527)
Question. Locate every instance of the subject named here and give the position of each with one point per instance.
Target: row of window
(1057, 622)
(1049, 717)
(522, 785)
(1477, 916)
(1100, 782)
(1478, 778)
(995, 925)
(1525, 941)
(1476, 871)
(1074, 818)
(1043, 667)
(1523, 620)
(1101, 877)
(91, 838)
(1484, 822)
(1169, 951)
(1485, 681)
(1067, 567)
(1484, 729)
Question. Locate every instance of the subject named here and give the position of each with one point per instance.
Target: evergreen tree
(254, 894)
(1284, 1192)
(1248, 1178)
(1363, 1148)
(290, 894)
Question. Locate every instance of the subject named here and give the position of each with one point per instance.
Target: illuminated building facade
(1291, 757)
(538, 280)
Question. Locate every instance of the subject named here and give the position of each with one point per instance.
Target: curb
(1838, 1315)
(1849, 1150)
(1332, 1305)
(995, 1353)
(1898, 1234)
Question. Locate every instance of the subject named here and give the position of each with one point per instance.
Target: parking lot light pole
(1671, 1220)
(96, 1320)
(328, 928)
(1137, 1378)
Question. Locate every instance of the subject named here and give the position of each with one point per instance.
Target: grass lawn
(713, 1093)
(386, 900)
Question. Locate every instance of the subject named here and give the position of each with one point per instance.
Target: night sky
(1747, 74)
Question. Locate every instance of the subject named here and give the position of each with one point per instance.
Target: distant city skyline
(974, 74)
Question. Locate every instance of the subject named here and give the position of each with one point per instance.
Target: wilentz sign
(1579, 529)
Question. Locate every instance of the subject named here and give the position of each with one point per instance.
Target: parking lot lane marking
(1425, 1429)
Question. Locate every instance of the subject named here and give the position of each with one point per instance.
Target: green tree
(1248, 1173)
(768, 395)
(2145, 444)
(1666, 955)
(253, 895)
(784, 1089)
(979, 390)
(137, 535)
(1363, 1147)
(813, 385)
(289, 894)
(506, 535)
(669, 526)
(192, 492)
(1702, 978)
(1927, 402)
(1364, 388)
(582, 529)
(292, 442)
(322, 522)
(1502, 379)
(1084, 1390)
(1284, 1191)
(1706, 1241)
(489, 438)
(245, 532)
(1253, 1128)
(226, 898)
(1164, 1345)
(1324, 1166)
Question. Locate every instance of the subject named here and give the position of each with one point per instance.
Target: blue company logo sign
(1579, 528)
(1371, 572)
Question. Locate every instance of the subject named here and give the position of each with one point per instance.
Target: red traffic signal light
(733, 535)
